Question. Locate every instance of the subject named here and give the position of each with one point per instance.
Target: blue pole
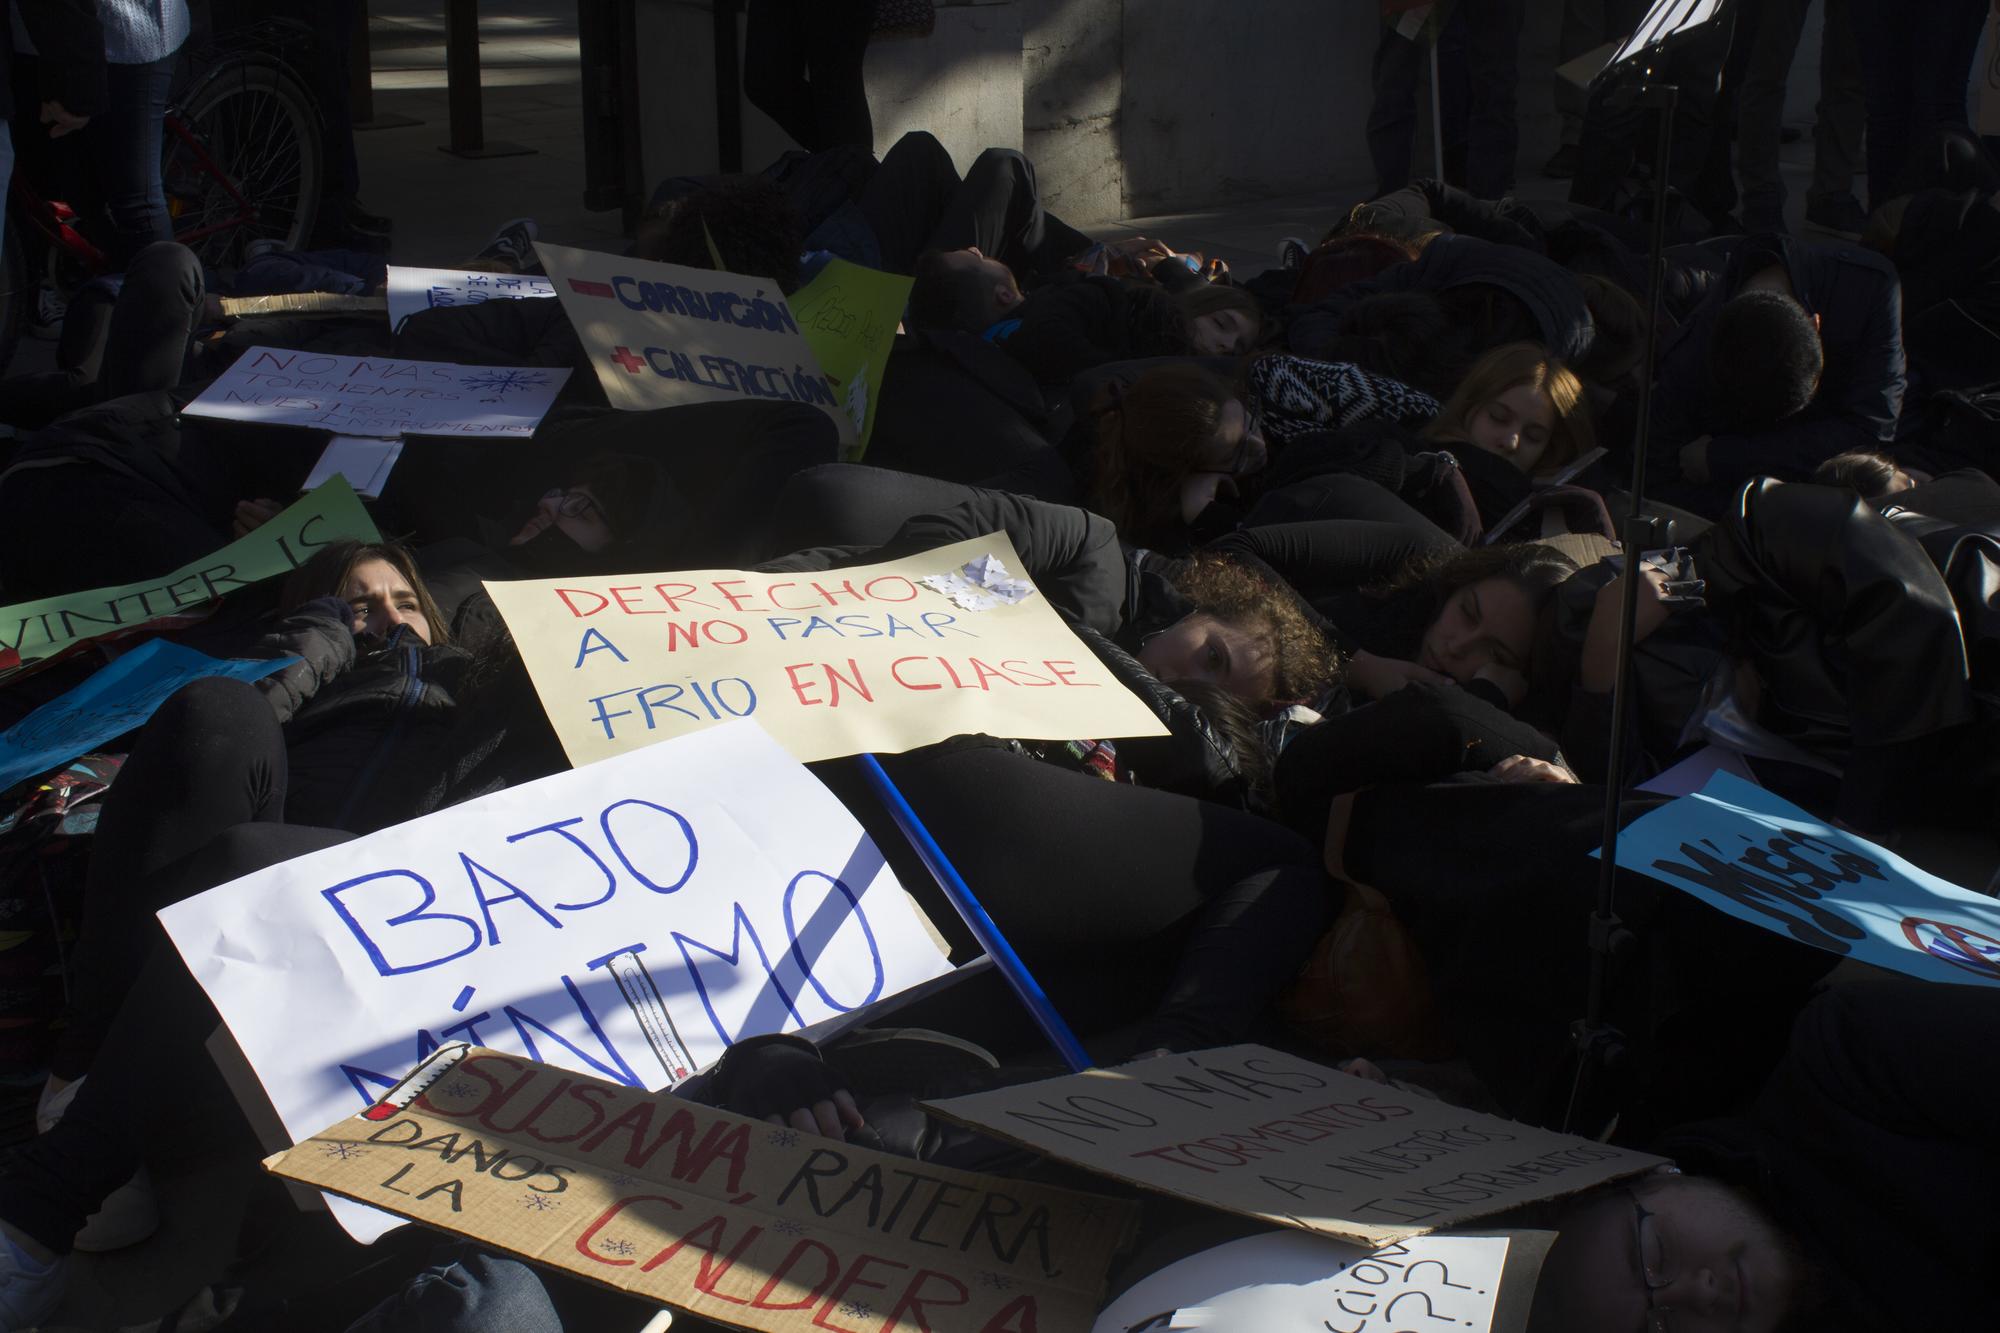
(983, 927)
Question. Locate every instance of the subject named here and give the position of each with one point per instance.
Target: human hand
(1600, 641)
(1694, 459)
(1379, 677)
(61, 120)
(829, 1117)
(253, 514)
(1527, 768)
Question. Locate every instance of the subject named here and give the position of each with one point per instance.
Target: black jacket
(1549, 291)
(956, 407)
(1872, 1142)
(1948, 256)
(1855, 294)
(1069, 327)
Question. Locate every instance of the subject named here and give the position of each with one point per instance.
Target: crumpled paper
(980, 585)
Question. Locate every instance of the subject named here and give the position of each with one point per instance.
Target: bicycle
(241, 161)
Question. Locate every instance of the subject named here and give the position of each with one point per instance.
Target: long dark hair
(1419, 593)
(325, 573)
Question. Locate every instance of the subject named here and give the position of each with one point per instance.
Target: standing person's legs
(124, 145)
(1392, 116)
(212, 758)
(1947, 39)
(1884, 37)
(907, 197)
(1492, 40)
(998, 208)
(774, 67)
(837, 33)
(1772, 31)
(1583, 31)
(1843, 109)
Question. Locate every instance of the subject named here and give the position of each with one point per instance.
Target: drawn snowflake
(996, 1281)
(785, 1226)
(539, 1203)
(782, 1138)
(500, 382)
(344, 1151)
(856, 1309)
(618, 1247)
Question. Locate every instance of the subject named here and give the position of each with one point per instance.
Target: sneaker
(884, 1061)
(1561, 166)
(30, 1288)
(1292, 254)
(513, 244)
(50, 308)
(1840, 215)
(129, 1214)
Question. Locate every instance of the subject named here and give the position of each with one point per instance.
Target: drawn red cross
(623, 356)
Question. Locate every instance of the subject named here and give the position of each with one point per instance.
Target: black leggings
(204, 786)
(802, 68)
(917, 201)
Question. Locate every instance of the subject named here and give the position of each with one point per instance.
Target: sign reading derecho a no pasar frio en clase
(663, 335)
(631, 919)
(883, 657)
(379, 396)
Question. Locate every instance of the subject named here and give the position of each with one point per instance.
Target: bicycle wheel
(243, 160)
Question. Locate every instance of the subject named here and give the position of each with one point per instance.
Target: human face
(383, 599)
(1672, 1254)
(574, 512)
(1484, 624)
(1238, 448)
(1004, 292)
(1515, 426)
(1223, 333)
(1228, 656)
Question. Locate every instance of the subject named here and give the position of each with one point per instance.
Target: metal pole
(984, 929)
(461, 68)
(1437, 107)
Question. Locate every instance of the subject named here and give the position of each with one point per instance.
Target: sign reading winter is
(630, 919)
(414, 289)
(882, 657)
(379, 396)
(661, 335)
(750, 1224)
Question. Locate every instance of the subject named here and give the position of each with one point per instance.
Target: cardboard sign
(328, 514)
(113, 701)
(414, 289)
(660, 335)
(365, 462)
(631, 919)
(831, 663)
(731, 1219)
(379, 396)
(1254, 1131)
(849, 314)
(1763, 860)
(1292, 1282)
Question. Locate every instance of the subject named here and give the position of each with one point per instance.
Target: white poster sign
(414, 289)
(630, 919)
(379, 396)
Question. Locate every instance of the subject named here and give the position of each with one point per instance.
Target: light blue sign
(112, 702)
(1763, 860)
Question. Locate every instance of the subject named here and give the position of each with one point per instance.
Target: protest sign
(364, 461)
(1254, 1131)
(414, 289)
(849, 314)
(113, 701)
(1763, 860)
(328, 514)
(379, 396)
(1292, 1282)
(743, 1222)
(632, 918)
(661, 335)
(831, 663)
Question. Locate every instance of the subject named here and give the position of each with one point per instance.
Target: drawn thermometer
(642, 996)
(433, 1068)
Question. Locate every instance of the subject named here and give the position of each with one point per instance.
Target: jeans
(802, 68)
(1489, 32)
(124, 150)
(1916, 63)
(1774, 39)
